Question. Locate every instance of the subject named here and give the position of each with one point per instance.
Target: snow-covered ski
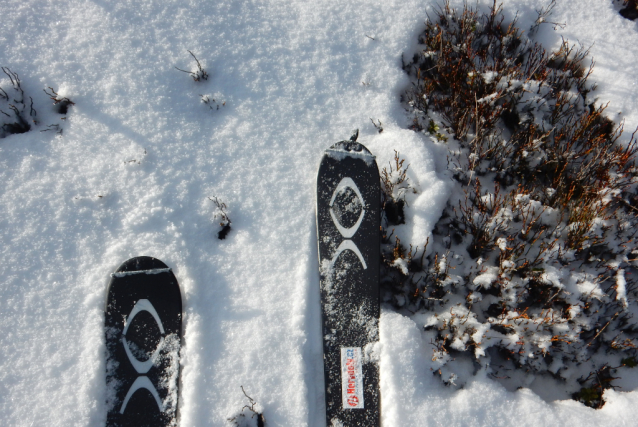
(143, 322)
(348, 235)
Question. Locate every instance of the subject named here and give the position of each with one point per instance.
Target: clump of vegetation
(16, 112)
(211, 103)
(256, 418)
(198, 75)
(394, 182)
(17, 115)
(629, 9)
(532, 266)
(220, 216)
(62, 103)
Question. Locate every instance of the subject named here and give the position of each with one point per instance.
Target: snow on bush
(19, 112)
(220, 216)
(531, 268)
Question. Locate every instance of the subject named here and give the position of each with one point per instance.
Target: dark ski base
(348, 222)
(143, 323)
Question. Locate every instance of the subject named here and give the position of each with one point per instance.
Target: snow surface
(141, 154)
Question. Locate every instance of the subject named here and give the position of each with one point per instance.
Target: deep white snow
(141, 154)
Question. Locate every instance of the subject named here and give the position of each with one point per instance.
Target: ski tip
(351, 147)
(141, 263)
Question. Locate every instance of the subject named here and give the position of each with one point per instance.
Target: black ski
(143, 323)
(348, 235)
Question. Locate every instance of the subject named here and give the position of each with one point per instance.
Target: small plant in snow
(544, 13)
(16, 112)
(220, 216)
(211, 103)
(532, 265)
(377, 126)
(198, 75)
(253, 418)
(61, 102)
(394, 185)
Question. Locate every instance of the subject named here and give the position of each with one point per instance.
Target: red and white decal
(351, 378)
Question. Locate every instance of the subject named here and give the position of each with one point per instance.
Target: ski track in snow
(141, 154)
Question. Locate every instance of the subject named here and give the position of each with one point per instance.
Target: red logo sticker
(351, 378)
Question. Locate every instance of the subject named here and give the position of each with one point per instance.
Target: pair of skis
(143, 315)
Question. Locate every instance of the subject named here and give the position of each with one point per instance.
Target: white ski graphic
(142, 382)
(347, 232)
(142, 367)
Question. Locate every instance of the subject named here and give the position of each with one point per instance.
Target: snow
(141, 154)
(411, 394)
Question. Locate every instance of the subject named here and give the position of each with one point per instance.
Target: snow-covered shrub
(16, 112)
(62, 103)
(220, 216)
(531, 268)
(61, 106)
